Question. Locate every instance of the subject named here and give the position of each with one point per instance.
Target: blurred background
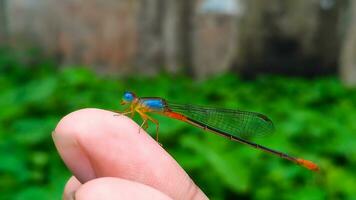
(294, 61)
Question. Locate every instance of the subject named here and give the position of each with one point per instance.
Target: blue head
(128, 97)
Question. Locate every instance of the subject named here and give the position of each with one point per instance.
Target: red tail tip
(308, 164)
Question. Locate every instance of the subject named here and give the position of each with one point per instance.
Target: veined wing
(235, 122)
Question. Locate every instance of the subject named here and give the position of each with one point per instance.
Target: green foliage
(314, 119)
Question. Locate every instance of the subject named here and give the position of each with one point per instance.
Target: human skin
(110, 159)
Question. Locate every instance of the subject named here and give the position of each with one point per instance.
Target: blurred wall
(102, 34)
(348, 56)
(200, 37)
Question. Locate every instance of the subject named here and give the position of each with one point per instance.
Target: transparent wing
(235, 122)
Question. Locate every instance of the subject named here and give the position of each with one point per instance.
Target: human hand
(110, 159)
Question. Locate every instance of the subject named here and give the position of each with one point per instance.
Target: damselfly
(232, 124)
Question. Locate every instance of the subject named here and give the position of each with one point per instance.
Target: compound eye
(128, 96)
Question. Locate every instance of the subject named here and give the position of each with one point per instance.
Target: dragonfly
(229, 123)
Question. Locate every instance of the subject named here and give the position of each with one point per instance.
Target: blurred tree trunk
(150, 49)
(177, 32)
(170, 34)
(3, 21)
(348, 56)
(186, 36)
(164, 35)
(215, 36)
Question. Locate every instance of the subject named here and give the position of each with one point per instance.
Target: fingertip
(116, 188)
(70, 188)
(65, 137)
(85, 121)
(80, 135)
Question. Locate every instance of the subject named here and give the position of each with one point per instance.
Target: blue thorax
(154, 104)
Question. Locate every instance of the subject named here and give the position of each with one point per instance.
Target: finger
(116, 188)
(71, 187)
(94, 143)
(112, 188)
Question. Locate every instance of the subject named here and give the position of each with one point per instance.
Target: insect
(232, 124)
